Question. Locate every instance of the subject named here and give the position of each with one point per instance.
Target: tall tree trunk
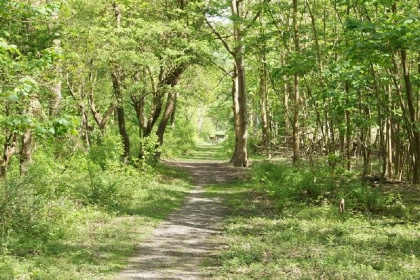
(265, 119)
(121, 115)
(240, 155)
(349, 142)
(286, 103)
(388, 158)
(263, 88)
(366, 144)
(169, 110)
(296, 134)
(413, 125)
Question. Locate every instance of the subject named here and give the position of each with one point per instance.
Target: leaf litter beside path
(181, 246)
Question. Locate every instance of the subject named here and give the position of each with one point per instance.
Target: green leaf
(13, 98)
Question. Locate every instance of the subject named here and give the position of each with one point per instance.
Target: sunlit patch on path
(182, 243)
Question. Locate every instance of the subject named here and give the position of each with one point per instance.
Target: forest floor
(182, 246)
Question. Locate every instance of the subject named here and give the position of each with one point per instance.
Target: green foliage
(32, 217)
(290, 184)
(149, 147)
(63, 204)
(310, 241)
(254, 141)
(229, 143)
(179, 140)
(108, 151)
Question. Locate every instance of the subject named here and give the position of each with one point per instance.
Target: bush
(40, 208)
(287, 183)
(107, 152)
(31, 218)
(179, 140)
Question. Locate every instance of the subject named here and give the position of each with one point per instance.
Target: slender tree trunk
(413, 125)
(296, 134)
(388, 162)
(9, 149)
(366, 143)
(265, 120)
(169, 110)
(286, 102)
(349, 141)
(26, 147)
(121, 115)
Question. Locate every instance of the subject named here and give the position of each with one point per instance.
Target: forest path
(182, 243)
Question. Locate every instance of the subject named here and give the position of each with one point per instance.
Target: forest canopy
(338, 79)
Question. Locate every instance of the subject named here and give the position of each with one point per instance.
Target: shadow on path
(181, 243)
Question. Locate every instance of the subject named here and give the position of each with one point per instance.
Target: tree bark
(240, 155)
(100, 120)
(169, 110)
(295, 133)
(34, 109)
(414, 128)
(265, 120)
(9, 149)
(121, 115)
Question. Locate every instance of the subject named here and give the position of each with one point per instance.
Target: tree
(236, 48)
(26, 57)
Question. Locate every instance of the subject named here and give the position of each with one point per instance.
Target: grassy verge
(84, 222)
(206, 151)
(278, 229)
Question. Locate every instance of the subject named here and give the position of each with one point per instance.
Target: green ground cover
(285, 224)
(81, 221)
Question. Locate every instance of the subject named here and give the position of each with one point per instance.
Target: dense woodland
(333, 78)
(94, 93)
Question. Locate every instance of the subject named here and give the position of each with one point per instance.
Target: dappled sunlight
(182, 242)
(313, 242)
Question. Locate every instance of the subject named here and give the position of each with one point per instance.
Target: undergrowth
(285, 224)
(288, 184)
(79, 217)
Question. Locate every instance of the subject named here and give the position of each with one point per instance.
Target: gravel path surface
(182, 243)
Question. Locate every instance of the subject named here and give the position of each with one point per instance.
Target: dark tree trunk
(296, 129)
(169, 110)
(8, 151)
(414, 128)
(121, 115)
(240, 155)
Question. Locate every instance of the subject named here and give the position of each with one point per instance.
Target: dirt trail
(181, 243)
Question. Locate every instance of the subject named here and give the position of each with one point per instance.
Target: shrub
(287, 183)
(31, 218)
(107, 152)
(179, 140)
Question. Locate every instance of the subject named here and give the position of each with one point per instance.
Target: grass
(310, 239)
(206, 151)
(99, 237)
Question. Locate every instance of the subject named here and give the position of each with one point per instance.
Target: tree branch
(215, 32)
